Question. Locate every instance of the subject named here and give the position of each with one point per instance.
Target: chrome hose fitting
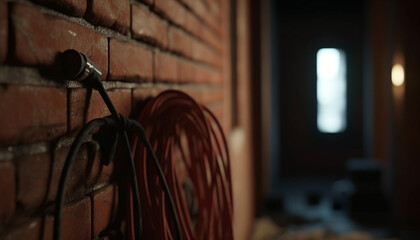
(78, 67)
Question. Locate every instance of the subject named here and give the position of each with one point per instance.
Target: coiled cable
(189, 142)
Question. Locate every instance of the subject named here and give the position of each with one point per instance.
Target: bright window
(331, 90)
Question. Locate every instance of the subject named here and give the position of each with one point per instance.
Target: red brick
(142, 94)
(7, 190)
(84, 107)
(198, 8)
(212, 39)
(130, 62)
(166, 67)
(203, 53)
(205, 97)
(75, 222)
(196, 95)
(205, 14)
(149, 2)
(186, 71)
(207, 75)
(31, 113)
(189, 3)
(196, 28)
(173, 10)
(180, 42)
(224, 21)
(4, 27)
(208, 2)
(148, 26)
(114, 14)
(193, 25)
(214, 7)
(99, 174)
(31, 230)
(39, 175)
(40, 37)
(217, 111)
(212, 21)
(72, 7)
(105, 204)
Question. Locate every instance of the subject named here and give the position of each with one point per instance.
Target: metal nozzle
(78, 67)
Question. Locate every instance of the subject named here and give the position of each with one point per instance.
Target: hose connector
(78, 67)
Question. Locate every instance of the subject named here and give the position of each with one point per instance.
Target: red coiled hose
(193, 155)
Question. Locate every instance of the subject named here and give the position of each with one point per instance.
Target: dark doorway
(304, 28)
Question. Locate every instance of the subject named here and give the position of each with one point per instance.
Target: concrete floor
(304, 209)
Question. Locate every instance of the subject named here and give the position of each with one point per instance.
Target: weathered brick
(205, 13)
(206, 97)
(186, 71)
(196, 28)
(97, 173)
(207, 75)
(166, 67)
(75, 221)
(217, 110)
(192, 24)
(130, 62)
(200, 9)
(148, 26)
(109, 13)
(224, 18)
(214, 7)
(40, 37)
(84, 106)
(189, 3)
(180, 42)
(4, 27)
(142, 94)
(173, 10)
(105, 205)
(30, 230)
(148, 2)
(208, 2)
(39, 175)
(31, 113)
(7, 190)
(72, 7)
(203, 53)
(195, 94)
(212, 39)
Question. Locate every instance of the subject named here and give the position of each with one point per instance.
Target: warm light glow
(397, 75)
(331, 90)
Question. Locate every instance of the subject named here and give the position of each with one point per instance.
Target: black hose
(135, 189)
(121, 124)
(69, 162)
(66, 169)
(96, 83)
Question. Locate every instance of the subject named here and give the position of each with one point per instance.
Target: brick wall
(142, 47)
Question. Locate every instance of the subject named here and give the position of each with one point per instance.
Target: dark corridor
(306, 27)
(355, 179)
